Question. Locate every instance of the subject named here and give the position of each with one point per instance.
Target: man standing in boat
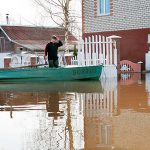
(52, 50)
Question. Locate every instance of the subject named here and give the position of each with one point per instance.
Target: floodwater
(103, 115)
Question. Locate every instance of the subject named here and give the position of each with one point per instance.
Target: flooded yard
(93, 115)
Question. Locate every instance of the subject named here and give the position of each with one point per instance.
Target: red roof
(34, 37)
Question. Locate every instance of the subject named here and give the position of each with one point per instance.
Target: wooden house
(27, 38)
(18, 39)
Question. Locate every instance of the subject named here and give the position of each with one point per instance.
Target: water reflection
(52, 105)
(130, 78)
(101, 115)
(147, 78)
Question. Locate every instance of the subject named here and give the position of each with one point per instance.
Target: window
(104, 7)
(2, 44)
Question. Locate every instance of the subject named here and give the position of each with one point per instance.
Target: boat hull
(53, 74)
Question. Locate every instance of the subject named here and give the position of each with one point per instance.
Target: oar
(30, 66)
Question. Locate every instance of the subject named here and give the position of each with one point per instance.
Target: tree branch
(61, 14)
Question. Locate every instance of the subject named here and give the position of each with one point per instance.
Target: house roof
(34, 37)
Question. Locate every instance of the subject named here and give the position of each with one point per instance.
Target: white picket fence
(97, 50)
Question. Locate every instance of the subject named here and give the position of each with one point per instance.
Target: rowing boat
(53, 74)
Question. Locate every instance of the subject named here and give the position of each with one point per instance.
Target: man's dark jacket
(52, 50)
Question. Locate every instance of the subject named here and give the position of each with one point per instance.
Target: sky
(20, 11)
(26, 12)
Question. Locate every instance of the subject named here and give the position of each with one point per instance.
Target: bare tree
(61, 14)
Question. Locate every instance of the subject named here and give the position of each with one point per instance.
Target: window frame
(98, 9)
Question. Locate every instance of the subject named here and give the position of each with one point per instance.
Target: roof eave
(21, 44)
(10, 38)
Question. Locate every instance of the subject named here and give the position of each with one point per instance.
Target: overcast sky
(26, 12)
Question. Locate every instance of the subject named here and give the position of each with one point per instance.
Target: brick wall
(124, 15)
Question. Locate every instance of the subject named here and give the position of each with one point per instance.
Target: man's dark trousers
(53, 63)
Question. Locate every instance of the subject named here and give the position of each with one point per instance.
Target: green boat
(53, 74)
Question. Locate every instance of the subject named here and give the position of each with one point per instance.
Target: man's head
(53, 39)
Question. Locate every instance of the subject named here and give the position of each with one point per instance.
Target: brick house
(129, 19)
(27, 38)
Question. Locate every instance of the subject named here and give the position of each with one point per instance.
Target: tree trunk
(66, 24)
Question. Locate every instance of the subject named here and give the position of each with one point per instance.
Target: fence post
(97, 60)
(107, 52)
(116, 47)
(83, 53)
(79, 56)
(115, 57)
(111, 51)
(86, 52)
(93, 51)
(89, 50)
(100, 50)
(104, 56)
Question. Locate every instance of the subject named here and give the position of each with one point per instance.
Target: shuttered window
(104, 7)
(2, 44)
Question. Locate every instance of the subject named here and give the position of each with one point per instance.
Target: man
(52, 51)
